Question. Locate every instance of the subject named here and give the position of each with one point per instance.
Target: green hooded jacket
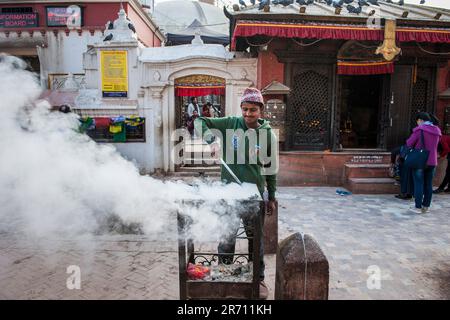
(250, 162)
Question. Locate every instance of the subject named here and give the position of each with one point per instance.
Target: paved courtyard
(359, 234)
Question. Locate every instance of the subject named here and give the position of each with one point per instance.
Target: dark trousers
(228, 245)
(394, 153)
(406, 179)
(423, 186)
(446, 181)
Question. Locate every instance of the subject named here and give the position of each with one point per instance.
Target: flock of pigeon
(334, 3)
(111, 27)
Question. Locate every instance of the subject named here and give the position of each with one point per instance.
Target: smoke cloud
(56, 181)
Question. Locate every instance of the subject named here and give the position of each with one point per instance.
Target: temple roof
(185, 52)
(319, 10)
(208, 35)
(175, 16)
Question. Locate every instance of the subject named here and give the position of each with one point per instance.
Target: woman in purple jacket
(423, 178)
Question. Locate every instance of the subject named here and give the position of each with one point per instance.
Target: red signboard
(18, 20)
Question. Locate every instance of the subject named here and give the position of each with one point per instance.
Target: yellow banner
(114, 73)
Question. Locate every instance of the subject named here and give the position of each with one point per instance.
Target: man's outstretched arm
(204, 125)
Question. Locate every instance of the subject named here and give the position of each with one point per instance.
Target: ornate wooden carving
(389, 49)
(199, 79)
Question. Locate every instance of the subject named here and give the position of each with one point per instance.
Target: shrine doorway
(197, 96)
(360, 103)
(209, 90)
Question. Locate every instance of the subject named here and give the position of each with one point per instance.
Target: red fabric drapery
(364, 68)
(423, 35)
(343, 32)
(305, 31)
(197, 91)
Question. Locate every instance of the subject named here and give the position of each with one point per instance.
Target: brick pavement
(355, 232)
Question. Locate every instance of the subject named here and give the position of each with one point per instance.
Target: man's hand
(271, 207)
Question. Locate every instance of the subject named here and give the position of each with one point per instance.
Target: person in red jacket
(445, 152)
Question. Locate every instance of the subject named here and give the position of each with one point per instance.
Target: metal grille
(309, 112)
(419, 100)
(250, 212)
(180, 113)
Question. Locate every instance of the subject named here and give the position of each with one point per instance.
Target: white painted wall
(64, 53)
(152, 73)
(162, 69)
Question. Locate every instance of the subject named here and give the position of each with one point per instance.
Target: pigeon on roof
(132, 28)
(353, 9)
(108, 37)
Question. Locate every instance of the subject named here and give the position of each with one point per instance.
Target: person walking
(423, 178)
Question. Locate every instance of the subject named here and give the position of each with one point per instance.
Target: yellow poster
(114, 73)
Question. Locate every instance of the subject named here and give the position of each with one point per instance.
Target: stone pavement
(359, 234)
(412, 252)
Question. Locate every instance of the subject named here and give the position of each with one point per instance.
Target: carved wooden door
(310, 107)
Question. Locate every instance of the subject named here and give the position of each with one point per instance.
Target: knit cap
(252, 95)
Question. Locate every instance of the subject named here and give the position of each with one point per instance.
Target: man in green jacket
(250, 150)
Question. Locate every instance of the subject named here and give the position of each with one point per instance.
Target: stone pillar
(160, 128)
(271, 232)
(302, 271)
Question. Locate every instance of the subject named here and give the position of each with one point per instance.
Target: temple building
(347, 83)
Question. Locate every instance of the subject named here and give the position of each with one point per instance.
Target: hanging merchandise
(117, 128)
(134, 121)
(134, 126)
(118, 119)
(87, 124)
(102, 122)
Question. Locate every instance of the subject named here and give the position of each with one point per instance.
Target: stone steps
(194, 174)
(372, 185)
(200, 169)
(367, 170)
(370, 178)
(190, 178)
(200, 162)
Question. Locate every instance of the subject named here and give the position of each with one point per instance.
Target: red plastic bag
(197, 272)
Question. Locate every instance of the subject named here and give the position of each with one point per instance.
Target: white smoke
(56, 181)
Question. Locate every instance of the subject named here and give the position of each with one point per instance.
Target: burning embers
(236, 272)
